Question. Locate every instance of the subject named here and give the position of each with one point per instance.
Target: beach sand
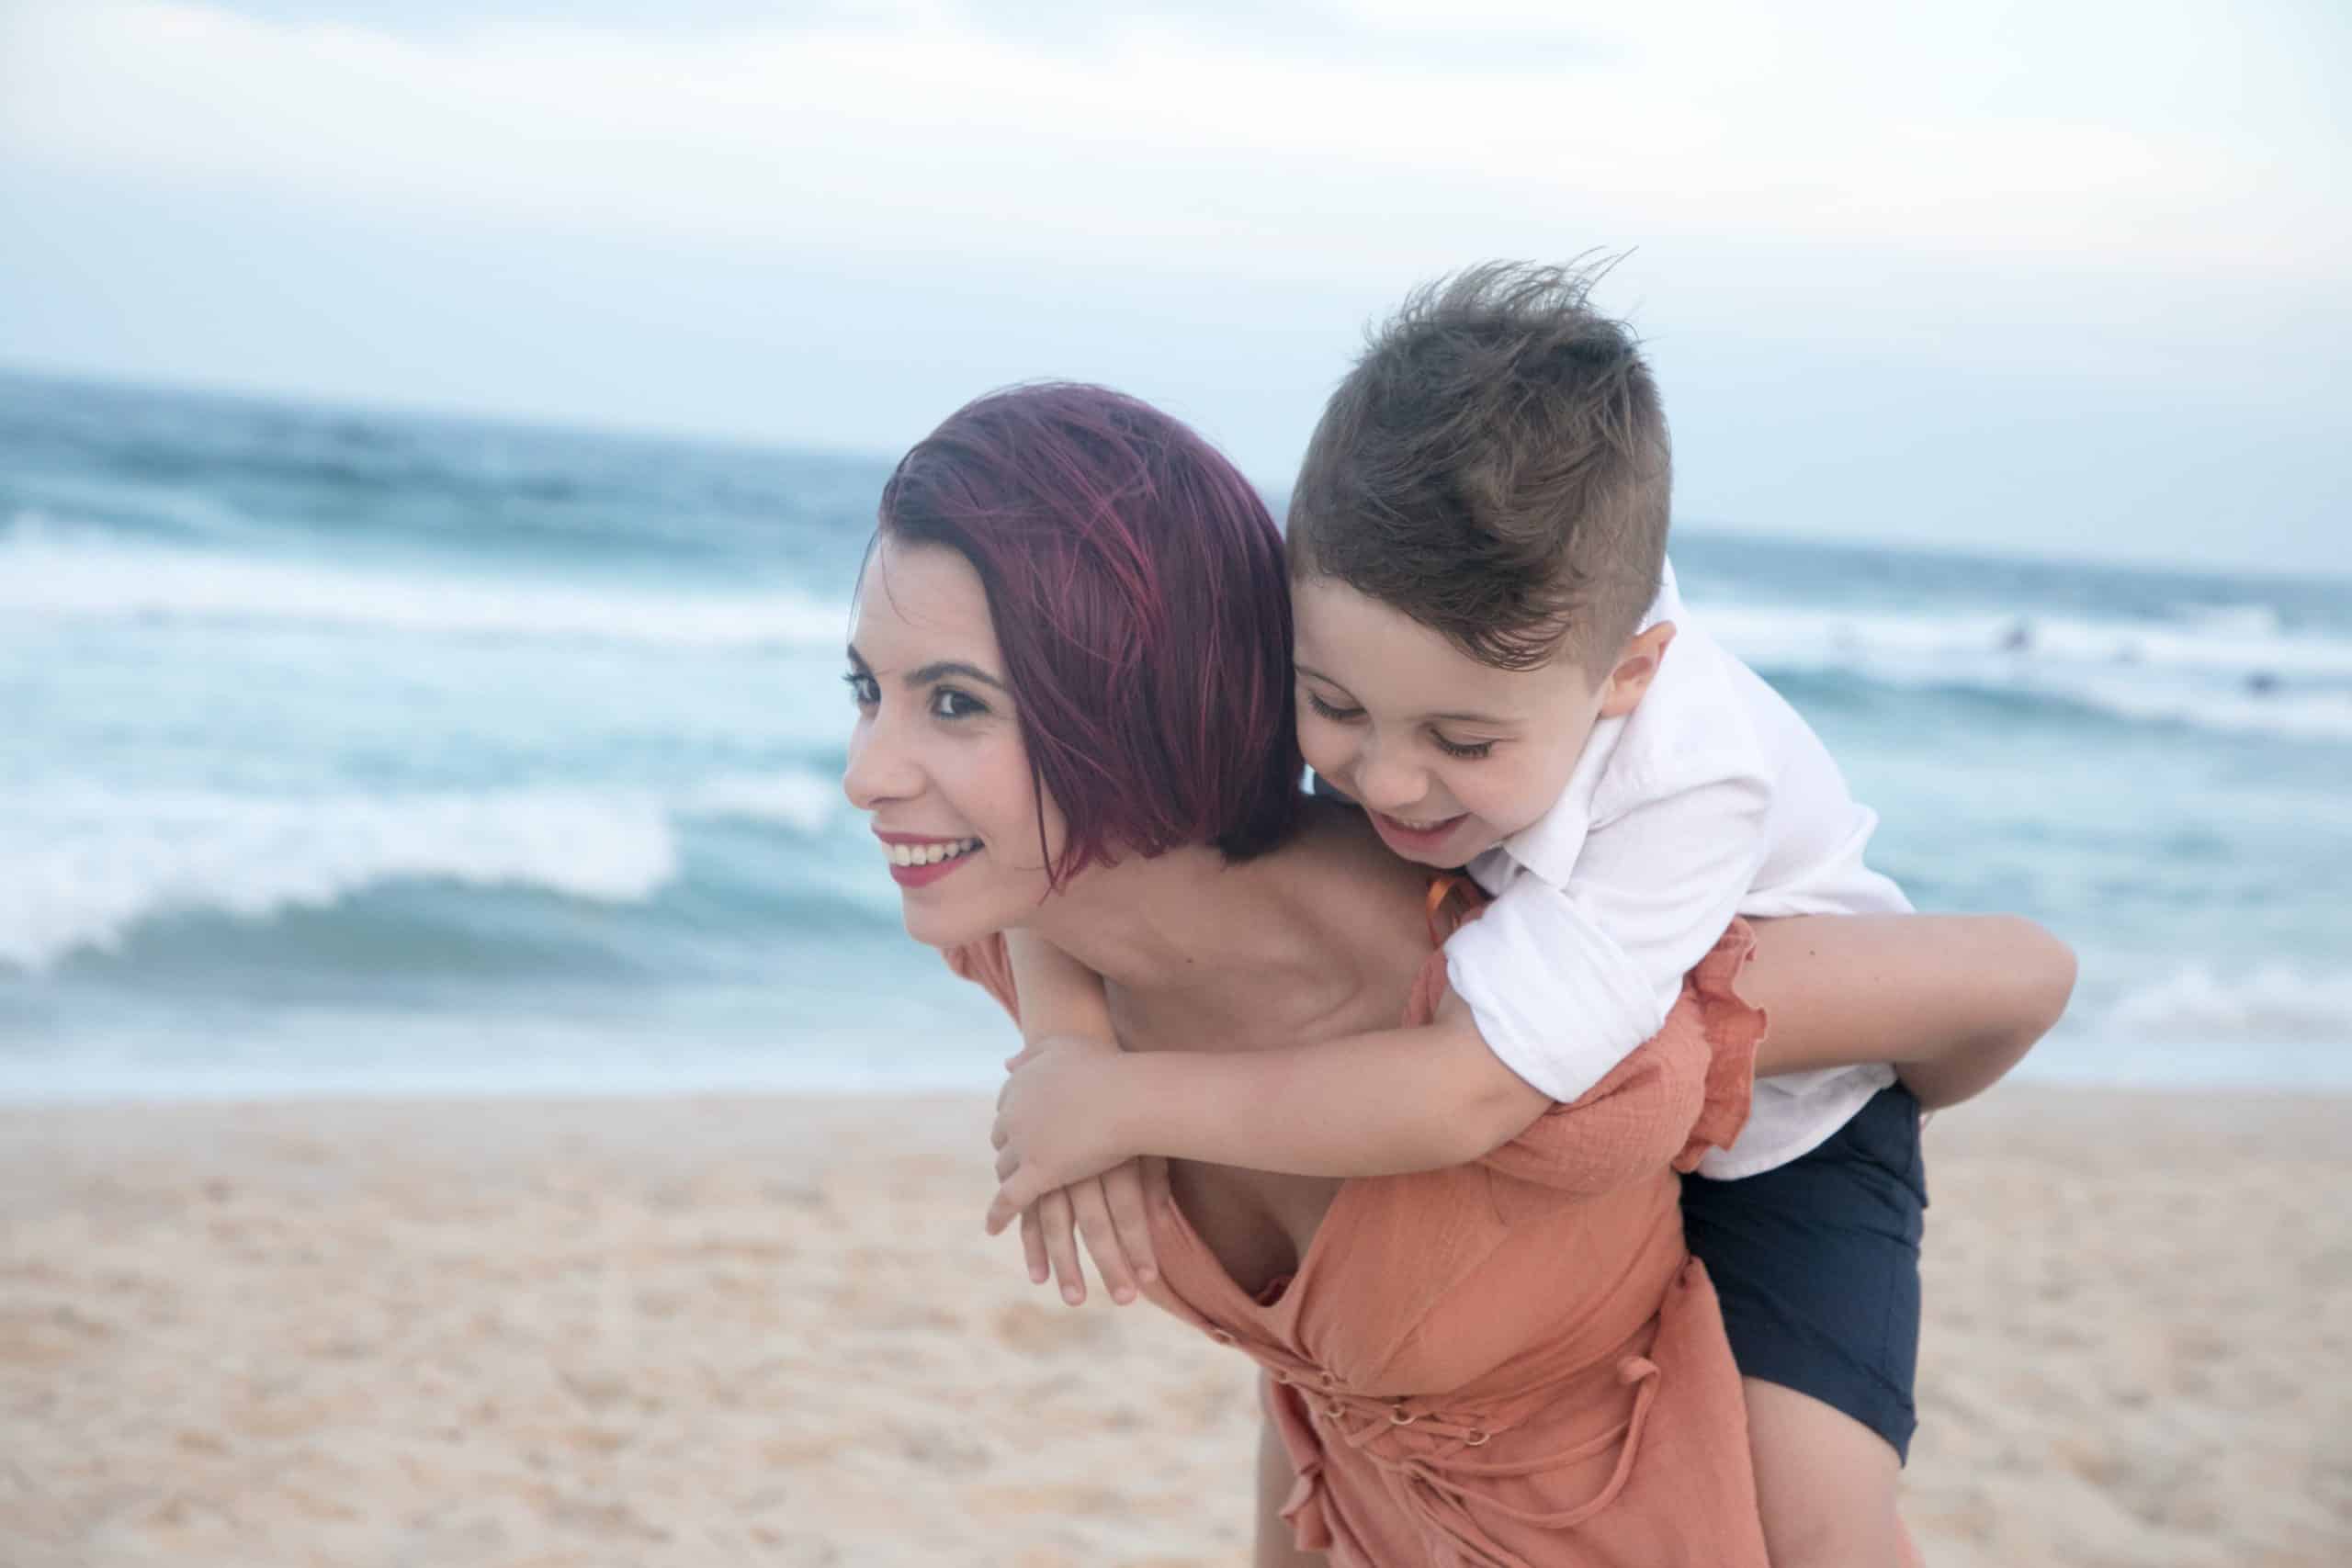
(770, 1332)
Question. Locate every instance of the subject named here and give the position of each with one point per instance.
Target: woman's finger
(1061, 1243)
(1123, 1194)
(1033, 1245)
(1093, 1207)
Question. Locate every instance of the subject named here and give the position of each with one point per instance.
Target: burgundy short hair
(1142, 604)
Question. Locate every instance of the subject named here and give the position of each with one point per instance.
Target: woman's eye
(864, 690)
(1328, 711)
(1469, 752)
(949, 703)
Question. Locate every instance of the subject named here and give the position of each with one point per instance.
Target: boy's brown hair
(1496, 465)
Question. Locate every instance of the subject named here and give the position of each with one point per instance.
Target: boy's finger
(999, 1134)
(1033, 1245)
(1123, 1192)
(1007, 1162)
(1061, 1244)
(1019, 1057)
(1094, 1212)
(1011, 1199)
(1001, 1213)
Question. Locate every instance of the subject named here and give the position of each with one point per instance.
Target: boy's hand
(1058, 1122)
(1112, 1212)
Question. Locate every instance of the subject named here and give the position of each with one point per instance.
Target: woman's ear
(1636, 668)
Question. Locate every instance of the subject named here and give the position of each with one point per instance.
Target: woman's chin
(935, 927)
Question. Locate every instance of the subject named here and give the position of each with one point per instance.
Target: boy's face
(1449, 756)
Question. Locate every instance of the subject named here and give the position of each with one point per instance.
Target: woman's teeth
(927, 854)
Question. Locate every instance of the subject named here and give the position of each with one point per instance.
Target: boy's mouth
(1416, 839)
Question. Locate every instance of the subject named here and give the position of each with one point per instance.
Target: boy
(1493, 661)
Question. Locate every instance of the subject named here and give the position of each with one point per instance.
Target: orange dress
(1515, 1361)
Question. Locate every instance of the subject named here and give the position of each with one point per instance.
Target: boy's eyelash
(862, 688)
(1470, 752)
(1328, 711)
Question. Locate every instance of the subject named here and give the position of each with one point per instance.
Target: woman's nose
(880, 769)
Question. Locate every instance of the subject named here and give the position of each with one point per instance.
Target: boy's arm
(1965, 994)
(1379, 1104)
(1952, 1000)
(1962, 997)
(1565, 979)
(1402, 1099)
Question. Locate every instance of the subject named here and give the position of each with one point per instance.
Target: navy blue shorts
(1818, 1265)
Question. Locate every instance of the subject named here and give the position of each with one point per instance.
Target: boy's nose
(1386, 783)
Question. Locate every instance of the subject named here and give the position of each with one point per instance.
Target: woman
(1070, 660)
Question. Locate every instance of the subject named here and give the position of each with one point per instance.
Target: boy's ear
(1636, 668)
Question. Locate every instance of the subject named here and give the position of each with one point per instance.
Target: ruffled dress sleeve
(1679, 1093)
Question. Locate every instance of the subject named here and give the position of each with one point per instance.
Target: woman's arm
(1951, 1000)
(1060, 996)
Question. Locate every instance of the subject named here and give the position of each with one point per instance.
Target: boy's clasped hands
(1067, 1171)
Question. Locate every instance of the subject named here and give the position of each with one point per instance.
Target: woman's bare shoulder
(1338, 869)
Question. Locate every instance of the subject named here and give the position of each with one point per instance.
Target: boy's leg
(1817, 1267)
(1825, 1481)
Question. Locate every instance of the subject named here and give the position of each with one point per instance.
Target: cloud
(1194, 137)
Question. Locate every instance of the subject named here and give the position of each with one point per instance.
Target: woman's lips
(918, 861)
(925, 875)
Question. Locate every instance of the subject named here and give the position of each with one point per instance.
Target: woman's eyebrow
(939, 668)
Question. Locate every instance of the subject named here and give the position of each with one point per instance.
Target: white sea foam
(802, 801)
(2234, 671)
(46, 571)
(87, 866)
(2272, 1003)
(84, 869)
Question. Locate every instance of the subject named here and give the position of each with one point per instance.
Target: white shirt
(1711, 798)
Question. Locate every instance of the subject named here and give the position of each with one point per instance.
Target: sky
(2064, 278)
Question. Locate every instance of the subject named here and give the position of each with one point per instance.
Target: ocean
(354, 752)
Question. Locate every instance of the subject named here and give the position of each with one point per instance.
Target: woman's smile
(918, 861)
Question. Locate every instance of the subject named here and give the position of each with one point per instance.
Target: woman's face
(936, 754)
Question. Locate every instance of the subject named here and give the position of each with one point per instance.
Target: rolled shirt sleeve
(1564, 981)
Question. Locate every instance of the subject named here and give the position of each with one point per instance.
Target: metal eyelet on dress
(1478, 1437)
(1397, 1416)
(1335, 1410)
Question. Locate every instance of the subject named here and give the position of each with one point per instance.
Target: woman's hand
(1059, 1121)
(1113, 1212)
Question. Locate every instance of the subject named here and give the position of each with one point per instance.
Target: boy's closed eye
(1327, 710)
